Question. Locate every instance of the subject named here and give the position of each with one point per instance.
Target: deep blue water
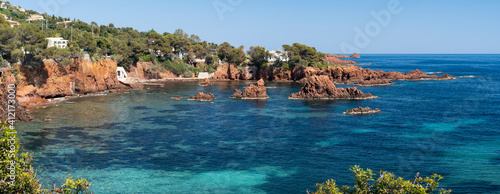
(143, 142)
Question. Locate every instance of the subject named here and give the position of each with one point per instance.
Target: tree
(158, 42)
(236, 56)
(300, 54)
(259, 55)
(223, 50)
(31, 37)
(386, 183)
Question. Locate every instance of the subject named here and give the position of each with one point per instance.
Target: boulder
(176, 98)
(361, 110)
(202, 97)
(355, 55)
(205, 82)
(252, 92)
(321, 87)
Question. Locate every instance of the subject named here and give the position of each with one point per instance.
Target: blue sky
(333, 26)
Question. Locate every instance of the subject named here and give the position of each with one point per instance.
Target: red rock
(361, 110)
(202, 97)
(205, 82)
(252, 92)
(321, 87)
(21, 113)
(355, 55)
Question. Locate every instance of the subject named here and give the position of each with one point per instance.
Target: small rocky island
(252, 92)
(205, 82)
(202, 97)
(322, 88)
(362, 111)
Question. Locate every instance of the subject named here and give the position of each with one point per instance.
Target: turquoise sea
(143, 142)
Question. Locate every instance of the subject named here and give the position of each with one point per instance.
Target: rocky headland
(342, 74)
(322, 88)
(360, 110)
(253, 92)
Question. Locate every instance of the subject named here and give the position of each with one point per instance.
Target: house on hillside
(3, 6)
(278, 55)
(13, 23)
(35, 17)
(57, 42)
(65, 23)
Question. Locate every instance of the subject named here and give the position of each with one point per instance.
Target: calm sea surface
(143, 142)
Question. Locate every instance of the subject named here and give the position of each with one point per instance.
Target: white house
(275, 55)
(13, 23)
(35, 17)
(3, 6)
(57, 42)
(121, 73)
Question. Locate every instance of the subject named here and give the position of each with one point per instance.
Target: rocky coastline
(50, 81)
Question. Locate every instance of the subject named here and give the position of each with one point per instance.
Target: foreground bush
(16, 171)
(386, 183)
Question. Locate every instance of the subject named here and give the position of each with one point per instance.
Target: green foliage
(223, 51)
(386, 183)
(302, 55)
(258, 55)
(18, 165)
(236, 56)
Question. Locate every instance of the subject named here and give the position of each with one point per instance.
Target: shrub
(20, 167)
(386, 183)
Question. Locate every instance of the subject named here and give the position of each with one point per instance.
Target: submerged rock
(361, 110)
(176, 98)
(202, 97)
(321, 87)
(252, 92)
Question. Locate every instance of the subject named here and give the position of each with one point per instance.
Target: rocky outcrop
(205, 82)
(253, 92)
(321, 87)
(360, 110)
(202, 97)
(355, 56)
(229, 71)
(148, 70)
(334, 59)
(52, 80)
(6, 79)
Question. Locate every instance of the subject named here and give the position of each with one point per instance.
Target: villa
(278, 55)
(65, 22)
(13, 23)
(121, 73)
(35, 17)
(57, 42)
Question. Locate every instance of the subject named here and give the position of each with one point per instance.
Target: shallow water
(143, 142)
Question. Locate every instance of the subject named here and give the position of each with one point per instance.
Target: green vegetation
(17, 166)
(386, 183)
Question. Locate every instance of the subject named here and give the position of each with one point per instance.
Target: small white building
(3, 6)
(121, 74)
(57, 42)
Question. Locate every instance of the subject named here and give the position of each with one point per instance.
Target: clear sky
(332, 26)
